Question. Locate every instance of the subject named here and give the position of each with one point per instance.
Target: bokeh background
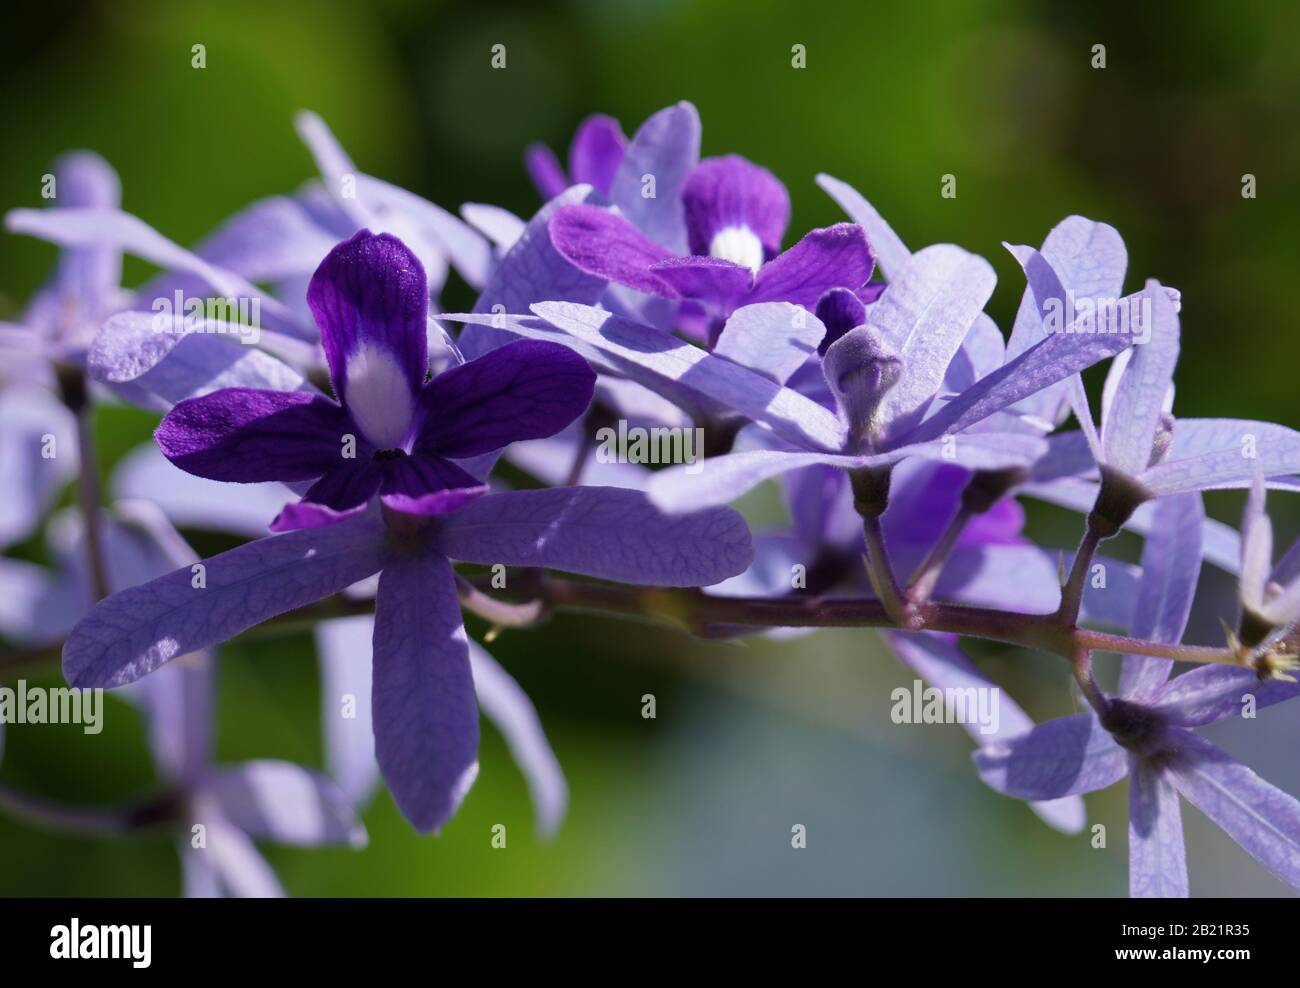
(749, 739)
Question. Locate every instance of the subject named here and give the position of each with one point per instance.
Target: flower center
(379, 398)
(738, 244)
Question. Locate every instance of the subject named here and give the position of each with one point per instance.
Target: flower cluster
(349, 445)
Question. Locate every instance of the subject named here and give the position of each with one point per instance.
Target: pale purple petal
(135, 631)
(38, 456)
(105, 227)
(665, 149)
(924, 314)
(179, 702)
(1157, 856)
(241, 870)
(193, 502)
(890, 251)
(1216, 691)
(424, 709)
(1256, 548)
(1063, 757)
(1171, 567)
(670, 360)
(1128, 432)
(531, 271)
(939, 660)
(605, 532)
(158, 369)
(499, 225)
(722, 479)
(1261, 818)
(508, 707)
(1208, 453)
(271, 240)
(1055, 358)
(436, 232)
(285, 803)
(344, 649)
(773, 338)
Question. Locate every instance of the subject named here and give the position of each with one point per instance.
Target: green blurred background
(749, 739)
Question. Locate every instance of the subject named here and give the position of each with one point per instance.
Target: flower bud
(860, 368)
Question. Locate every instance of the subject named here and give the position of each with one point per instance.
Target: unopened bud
(860, 368)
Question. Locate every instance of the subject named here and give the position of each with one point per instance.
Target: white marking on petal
(738, 244)
(378, 397)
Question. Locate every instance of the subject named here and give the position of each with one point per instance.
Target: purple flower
(86, 287)
(390, 432)
(1141, 450)
(1145, 733)
(217, 810)
(369, 297)
(736, 214)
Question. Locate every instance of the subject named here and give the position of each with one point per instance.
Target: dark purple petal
(545, 171)
(246, 435)
(731, 192)
(341, 493)
(605, 532)
(605, 244)
(840, 310)
(834, 257)
(423, 704)
(710, 280)
(428, 485)
(370, 298)
(529, 389)
(596, 152)
(133, 632)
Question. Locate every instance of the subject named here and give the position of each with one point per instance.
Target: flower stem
(1072, 592)
(72, 387)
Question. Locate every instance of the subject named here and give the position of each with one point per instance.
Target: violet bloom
(1141, 451)
(85, 288)
(369, 298)
(390, 432)
(736, 214)
(217, 811)
(1145, 733)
